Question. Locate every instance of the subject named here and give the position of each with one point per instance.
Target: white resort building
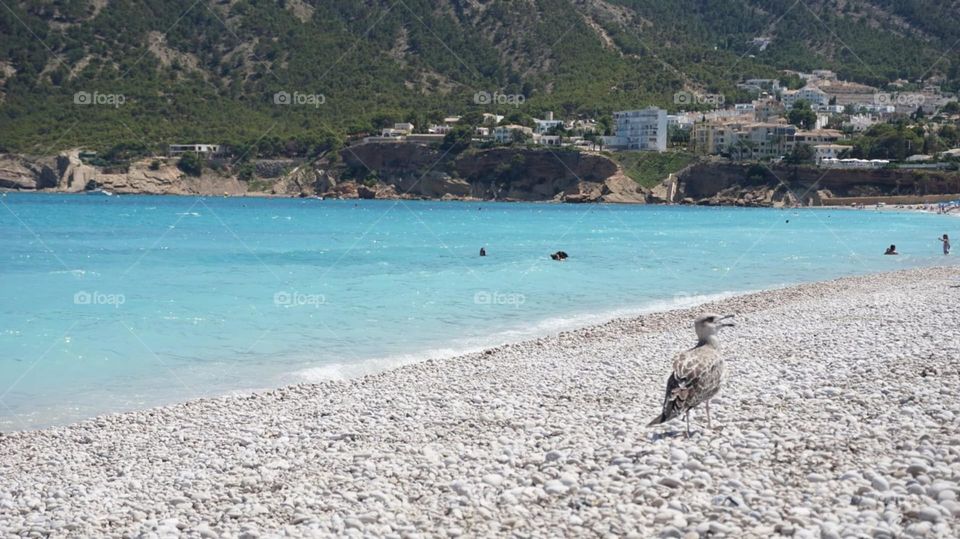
(644, 129)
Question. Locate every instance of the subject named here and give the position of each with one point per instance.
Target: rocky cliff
(412, 171)
(20, 173)
(734, 184)
(417, 171)
(68, 173)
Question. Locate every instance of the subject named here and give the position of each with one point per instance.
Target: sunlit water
(118, 303)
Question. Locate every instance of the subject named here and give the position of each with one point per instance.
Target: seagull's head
(709, 325)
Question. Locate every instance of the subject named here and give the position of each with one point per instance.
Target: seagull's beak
(726, 324)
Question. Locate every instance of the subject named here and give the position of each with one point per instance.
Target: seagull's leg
(709, 426)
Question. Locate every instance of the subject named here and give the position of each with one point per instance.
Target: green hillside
(210, 70)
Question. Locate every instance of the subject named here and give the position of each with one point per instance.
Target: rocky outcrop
(20, 173)
(72, 174)
(420, 171)
(155, 177)
(735, 184)
(411, 171)
(303, 180)
(622, 189)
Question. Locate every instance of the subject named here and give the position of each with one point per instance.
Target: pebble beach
(839, 417)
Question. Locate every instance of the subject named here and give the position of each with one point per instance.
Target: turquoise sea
(119, 303)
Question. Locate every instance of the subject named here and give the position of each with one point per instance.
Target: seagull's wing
(695, 378)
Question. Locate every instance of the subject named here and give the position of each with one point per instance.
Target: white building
(640, 130)
(860, 122)
(544, 126)
(680, 121)
(829, 151)
(584, 126)
(205, 149)
(547, 140)
(503, 134)
(830, 109)
(823, 120)
(811, 94)
(405, 127)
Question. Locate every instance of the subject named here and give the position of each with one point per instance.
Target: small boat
(100, 192)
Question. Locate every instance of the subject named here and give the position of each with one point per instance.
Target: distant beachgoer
(892, 250)
(946, 244)
(559, 256)
(483, 252)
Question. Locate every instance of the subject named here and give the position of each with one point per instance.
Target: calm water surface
(118, 303)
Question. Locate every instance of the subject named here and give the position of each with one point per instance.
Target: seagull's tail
(668, 413)
(658, 420)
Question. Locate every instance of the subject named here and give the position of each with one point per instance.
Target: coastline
(905, 208)
(838, 417)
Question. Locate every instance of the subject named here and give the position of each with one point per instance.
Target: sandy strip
(840, 417)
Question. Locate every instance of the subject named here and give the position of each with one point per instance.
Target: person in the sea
(946, 244)
(559, 256)
(892, 250)
(483, 251)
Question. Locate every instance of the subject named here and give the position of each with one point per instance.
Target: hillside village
(819, 122)
(812, 119)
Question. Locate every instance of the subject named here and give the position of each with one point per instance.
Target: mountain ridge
(209, 70)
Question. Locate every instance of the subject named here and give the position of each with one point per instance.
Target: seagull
(697, 373)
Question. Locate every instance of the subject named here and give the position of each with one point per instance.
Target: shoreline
(808, 438)
(907, 208)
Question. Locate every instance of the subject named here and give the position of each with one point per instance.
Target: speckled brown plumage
(696, 378)
(697, 373)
